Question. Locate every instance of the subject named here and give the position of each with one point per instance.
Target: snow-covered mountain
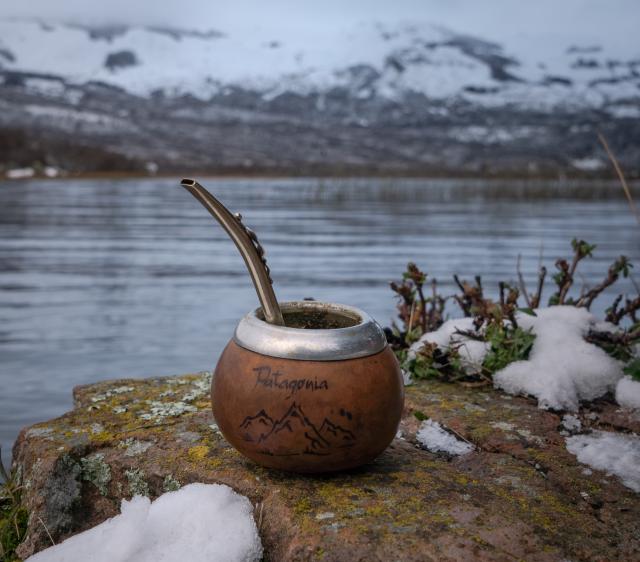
(370, 60)
(116, 82)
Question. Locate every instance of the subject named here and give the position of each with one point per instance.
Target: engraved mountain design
(336, 435)
(282, 437)
(256, 427)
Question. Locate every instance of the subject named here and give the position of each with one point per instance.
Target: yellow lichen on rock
(197, 453)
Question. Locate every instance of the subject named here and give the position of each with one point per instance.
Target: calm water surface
(109, 279)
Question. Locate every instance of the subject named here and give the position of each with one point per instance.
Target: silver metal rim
(363, 339)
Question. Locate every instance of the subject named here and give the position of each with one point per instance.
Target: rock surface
(519, 496)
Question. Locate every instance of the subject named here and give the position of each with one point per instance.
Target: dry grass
(623, 181)
(13, 517)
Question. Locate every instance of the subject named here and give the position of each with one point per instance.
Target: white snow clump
(435, 438)
(472, 352)
(615, 453)
(20, 173)
(198, 523)
(562, 368)
(628, 393)
(571, 423)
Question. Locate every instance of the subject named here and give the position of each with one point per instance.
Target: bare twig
(612, 312)
(434, 303)
(423, 308)
(260, 511)
(540, 254)
(47, 530)
(614, 338)
(612, 276)
(615, 314)
(436, 310)
(413, 309)
(621, 177)
(562, 279)
(569, 276)
(469, 334)
(511, 306)
(523, 286)
(462, 301)
(535, 301)
(462, 305)
(417, 279)
(459, 435)
(565, 276)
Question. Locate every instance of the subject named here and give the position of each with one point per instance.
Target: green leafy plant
(508, 344)
(495, 321)
(13, 517)
(431, 362)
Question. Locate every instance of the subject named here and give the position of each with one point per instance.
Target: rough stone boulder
(519, 496)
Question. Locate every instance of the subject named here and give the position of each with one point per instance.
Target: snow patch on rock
(571, 423)
(433, 437)
(615, 453)
(199, 523)
(628, 393)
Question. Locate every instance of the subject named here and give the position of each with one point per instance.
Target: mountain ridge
(372, 59)
(405, 98)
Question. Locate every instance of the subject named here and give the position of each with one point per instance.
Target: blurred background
(353, 137)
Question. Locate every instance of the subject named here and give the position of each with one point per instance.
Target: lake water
(105, 279)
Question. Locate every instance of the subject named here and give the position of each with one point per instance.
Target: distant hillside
(373, 98)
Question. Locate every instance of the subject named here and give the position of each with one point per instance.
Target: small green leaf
(420, 416)
(528, 311)
(633, 369)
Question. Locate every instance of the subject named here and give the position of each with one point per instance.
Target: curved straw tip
(186, 182)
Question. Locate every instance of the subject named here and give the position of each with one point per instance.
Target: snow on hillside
(369, 60)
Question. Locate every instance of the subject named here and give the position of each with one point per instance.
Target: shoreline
(309, 174)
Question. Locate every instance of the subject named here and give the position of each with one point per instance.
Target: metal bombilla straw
(247, 243)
